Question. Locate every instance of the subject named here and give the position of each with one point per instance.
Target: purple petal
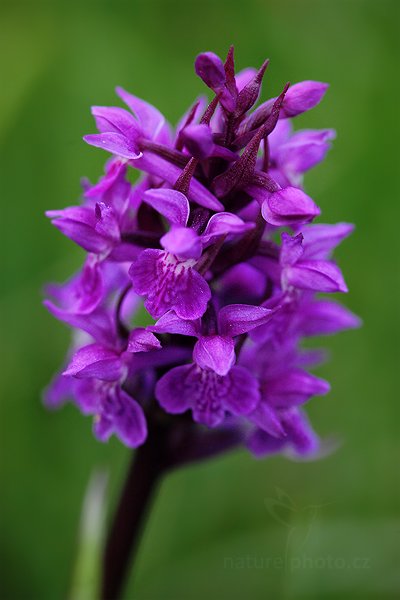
(225, 223)
(279, 136)
(268, 420)
(236, 319)
(173, 389)
(317, 275)
(159, 167)
(291, 249)
(261, 443)
(324, 317)
(169, 284)
(87, 394)
(142, 340)
(289, 206)
(303, 96)
(210, 68)
(198, 140)
(79, 224)
(183, 242)
(116, 143)
(299, 437)
(171, 323)
(215, 352)
(151, 120)
(95, 361)
(83, 292)
(59, 390)
(300, 433)
(304, 150)
(294, 387)
(118, 120)
(115, 171)
(173, 205)
(320, 240)
(208, 394)
(241, 391)
(107, 222)
(122, 415)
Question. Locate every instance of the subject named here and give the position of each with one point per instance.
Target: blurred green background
(233, 528)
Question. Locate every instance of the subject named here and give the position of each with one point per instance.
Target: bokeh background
(235, 527)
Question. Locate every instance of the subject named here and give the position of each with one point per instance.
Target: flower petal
(267, 419)
(291, 249)
(142, 340)
(303, 96)
(288, 206)
(116, 143)
(294, 387)
(242, 391)
(122, 415)
(236, 319)
(173, 205)
(171, 323)
(320, 239)
(323, 317)
(225, 223)
(210, 68)
(79, 224)
(183, 242)
(215, 352)
(198, 140)
(317, 275)
(304, 150)
(95, 361)
(172, 389)
(151, 120)
(169, 284)
(153, 164)
(114, 119)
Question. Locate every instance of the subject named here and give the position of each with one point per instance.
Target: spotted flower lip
(216, 242)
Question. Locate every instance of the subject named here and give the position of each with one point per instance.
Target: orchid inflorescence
(215, 236)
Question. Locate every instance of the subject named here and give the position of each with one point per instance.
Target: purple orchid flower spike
(217, 239)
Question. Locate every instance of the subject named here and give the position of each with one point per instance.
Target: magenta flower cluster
(216, 238)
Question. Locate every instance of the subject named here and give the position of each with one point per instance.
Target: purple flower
(212, 386)
(169, 278)
(217, 240)
(314, 275)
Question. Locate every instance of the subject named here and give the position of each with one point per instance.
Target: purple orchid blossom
(212, 385)
(217, 239)
(169, 278)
